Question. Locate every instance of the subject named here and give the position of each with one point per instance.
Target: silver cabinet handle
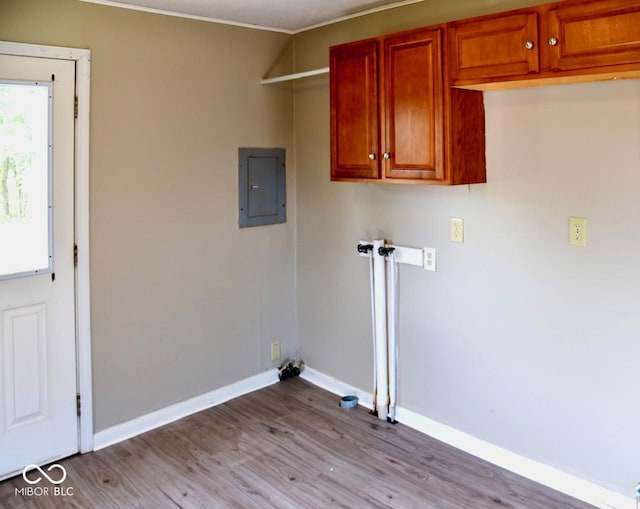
(386, 155)
(553, 41)
(372, 157)
(529, 44)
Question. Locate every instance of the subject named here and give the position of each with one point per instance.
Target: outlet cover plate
(430, 258)
(457, 229)
(578, 231)
(275, 350)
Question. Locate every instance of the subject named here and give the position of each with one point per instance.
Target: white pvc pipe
(392, 317)
(373, 331)
(379, 279)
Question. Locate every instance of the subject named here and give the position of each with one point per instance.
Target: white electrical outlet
(275, 350)
(429, 258)
(457, 229)
(578, 231)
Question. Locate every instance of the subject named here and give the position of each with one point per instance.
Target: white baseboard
(172, 413)
(531, 469)
(328, 383)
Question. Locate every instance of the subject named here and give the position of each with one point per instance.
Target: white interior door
(38, 418)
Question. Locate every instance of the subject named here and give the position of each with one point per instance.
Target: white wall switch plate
(457, 229)
(430, 258)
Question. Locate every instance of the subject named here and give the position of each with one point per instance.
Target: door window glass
(25, 178)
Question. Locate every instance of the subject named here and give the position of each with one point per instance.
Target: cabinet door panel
(594, 34)
(354, 111)
(413, 99)
(494, 47)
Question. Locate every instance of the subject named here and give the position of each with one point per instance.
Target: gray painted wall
(518, 339)
(183, 302)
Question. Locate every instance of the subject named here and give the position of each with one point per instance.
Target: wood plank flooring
(287, 446)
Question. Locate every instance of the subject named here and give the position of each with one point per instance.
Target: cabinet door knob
(553, 41)
(529, 44)
(372, 157)
(386, 155)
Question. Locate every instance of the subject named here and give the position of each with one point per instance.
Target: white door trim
(82, 57)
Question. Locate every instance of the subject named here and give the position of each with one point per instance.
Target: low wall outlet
(429, 258)
(275, 350)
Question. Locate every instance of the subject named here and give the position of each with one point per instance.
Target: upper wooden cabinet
(393, 117)
(592, 35)
(496, 46)
(412, 106)
(559, 40)
(398, 116)
(354, 111)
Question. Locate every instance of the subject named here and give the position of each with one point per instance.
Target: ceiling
(288, 16)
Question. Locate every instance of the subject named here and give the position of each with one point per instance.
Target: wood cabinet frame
(405, 116)
(571, 41)
(394, 117)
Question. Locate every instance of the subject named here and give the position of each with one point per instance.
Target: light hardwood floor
(287, 446)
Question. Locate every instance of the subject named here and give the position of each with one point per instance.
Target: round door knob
(372, 157)
(529, 44)
(553, 41)
(387, 155)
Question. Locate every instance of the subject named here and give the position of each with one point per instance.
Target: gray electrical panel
(262, 186)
